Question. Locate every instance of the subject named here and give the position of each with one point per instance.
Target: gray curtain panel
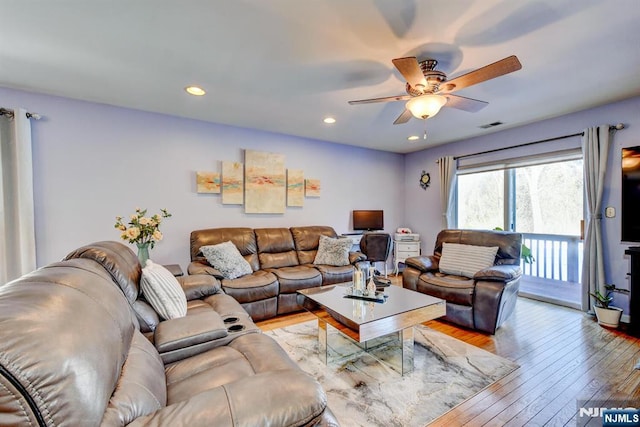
(595, 151)
(448, 169)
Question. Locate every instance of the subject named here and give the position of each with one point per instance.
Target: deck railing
(557, 257)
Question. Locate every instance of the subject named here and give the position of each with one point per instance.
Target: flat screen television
(630, 194)
(368, 220)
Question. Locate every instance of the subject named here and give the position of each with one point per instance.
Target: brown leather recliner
(483, 302)
(71, 354)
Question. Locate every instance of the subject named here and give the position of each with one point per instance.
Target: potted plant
(526, 255)
(525, 251)
(608, 315)
(142, 230)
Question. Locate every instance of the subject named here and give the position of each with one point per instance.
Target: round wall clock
(424, 180)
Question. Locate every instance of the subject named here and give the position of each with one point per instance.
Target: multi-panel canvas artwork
(262, 183)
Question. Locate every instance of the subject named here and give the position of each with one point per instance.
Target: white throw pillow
(227, 259)
(333, 251)
(466, 260)
(162, 290)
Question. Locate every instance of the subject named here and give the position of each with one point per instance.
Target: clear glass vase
(143, 253)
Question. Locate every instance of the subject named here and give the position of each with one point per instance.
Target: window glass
(543, 199)
(548, 198)
(481, 200)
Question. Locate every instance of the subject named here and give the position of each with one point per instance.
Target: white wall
(424, 211)
(93, 162)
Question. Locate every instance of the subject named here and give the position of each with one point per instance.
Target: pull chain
(425, 130)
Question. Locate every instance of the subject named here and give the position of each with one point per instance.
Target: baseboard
(625, 318)
(549, 300)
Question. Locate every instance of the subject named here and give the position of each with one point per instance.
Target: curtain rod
(10, 113)
(614, 128)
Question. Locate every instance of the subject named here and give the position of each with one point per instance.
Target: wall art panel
(208, 182)
(312, 187)
(265, 182)
(295, 187)
(232, 183)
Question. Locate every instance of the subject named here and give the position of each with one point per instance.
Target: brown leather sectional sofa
(282, 263)
(482, 302)
(72, 353)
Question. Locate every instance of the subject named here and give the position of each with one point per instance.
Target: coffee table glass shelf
(393, 314)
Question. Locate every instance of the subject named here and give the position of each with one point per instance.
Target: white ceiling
(283, 65)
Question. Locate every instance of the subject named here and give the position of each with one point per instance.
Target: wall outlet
(610, 212)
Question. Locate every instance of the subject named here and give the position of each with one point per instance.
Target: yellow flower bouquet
(142, 230)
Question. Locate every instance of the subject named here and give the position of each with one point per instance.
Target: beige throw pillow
(162, 290)
(466, 260)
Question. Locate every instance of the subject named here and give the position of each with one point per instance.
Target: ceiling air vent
(490, 125)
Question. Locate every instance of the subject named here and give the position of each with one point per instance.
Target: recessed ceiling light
(413, 138)
(329, 120)
(195, 90)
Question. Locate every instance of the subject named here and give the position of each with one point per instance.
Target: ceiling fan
(428, 89)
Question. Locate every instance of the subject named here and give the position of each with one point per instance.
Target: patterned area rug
(363, 391)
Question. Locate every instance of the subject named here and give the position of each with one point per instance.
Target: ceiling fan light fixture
(425, 106)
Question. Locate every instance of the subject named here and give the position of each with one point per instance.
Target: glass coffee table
(364, 321)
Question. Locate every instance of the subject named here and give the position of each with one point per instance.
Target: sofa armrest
(147, 317)
(499, 273)
(293, 398)
(356, 257)
(188, 331)
(200, 267)
(422, 263)
(198, 286)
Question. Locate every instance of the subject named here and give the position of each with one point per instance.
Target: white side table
(403, 250)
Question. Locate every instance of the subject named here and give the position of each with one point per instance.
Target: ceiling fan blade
(488, 72)
(410, 70)
(403, 118)
(466, 104)
(385, 99)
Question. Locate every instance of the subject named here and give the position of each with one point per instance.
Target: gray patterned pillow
(333, 251)
(226, 258)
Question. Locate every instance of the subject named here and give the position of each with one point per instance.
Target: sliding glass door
(541, 198)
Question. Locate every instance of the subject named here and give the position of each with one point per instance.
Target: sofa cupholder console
(235, 328)
(230, 320)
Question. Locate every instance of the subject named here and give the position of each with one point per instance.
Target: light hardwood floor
(564, 356)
